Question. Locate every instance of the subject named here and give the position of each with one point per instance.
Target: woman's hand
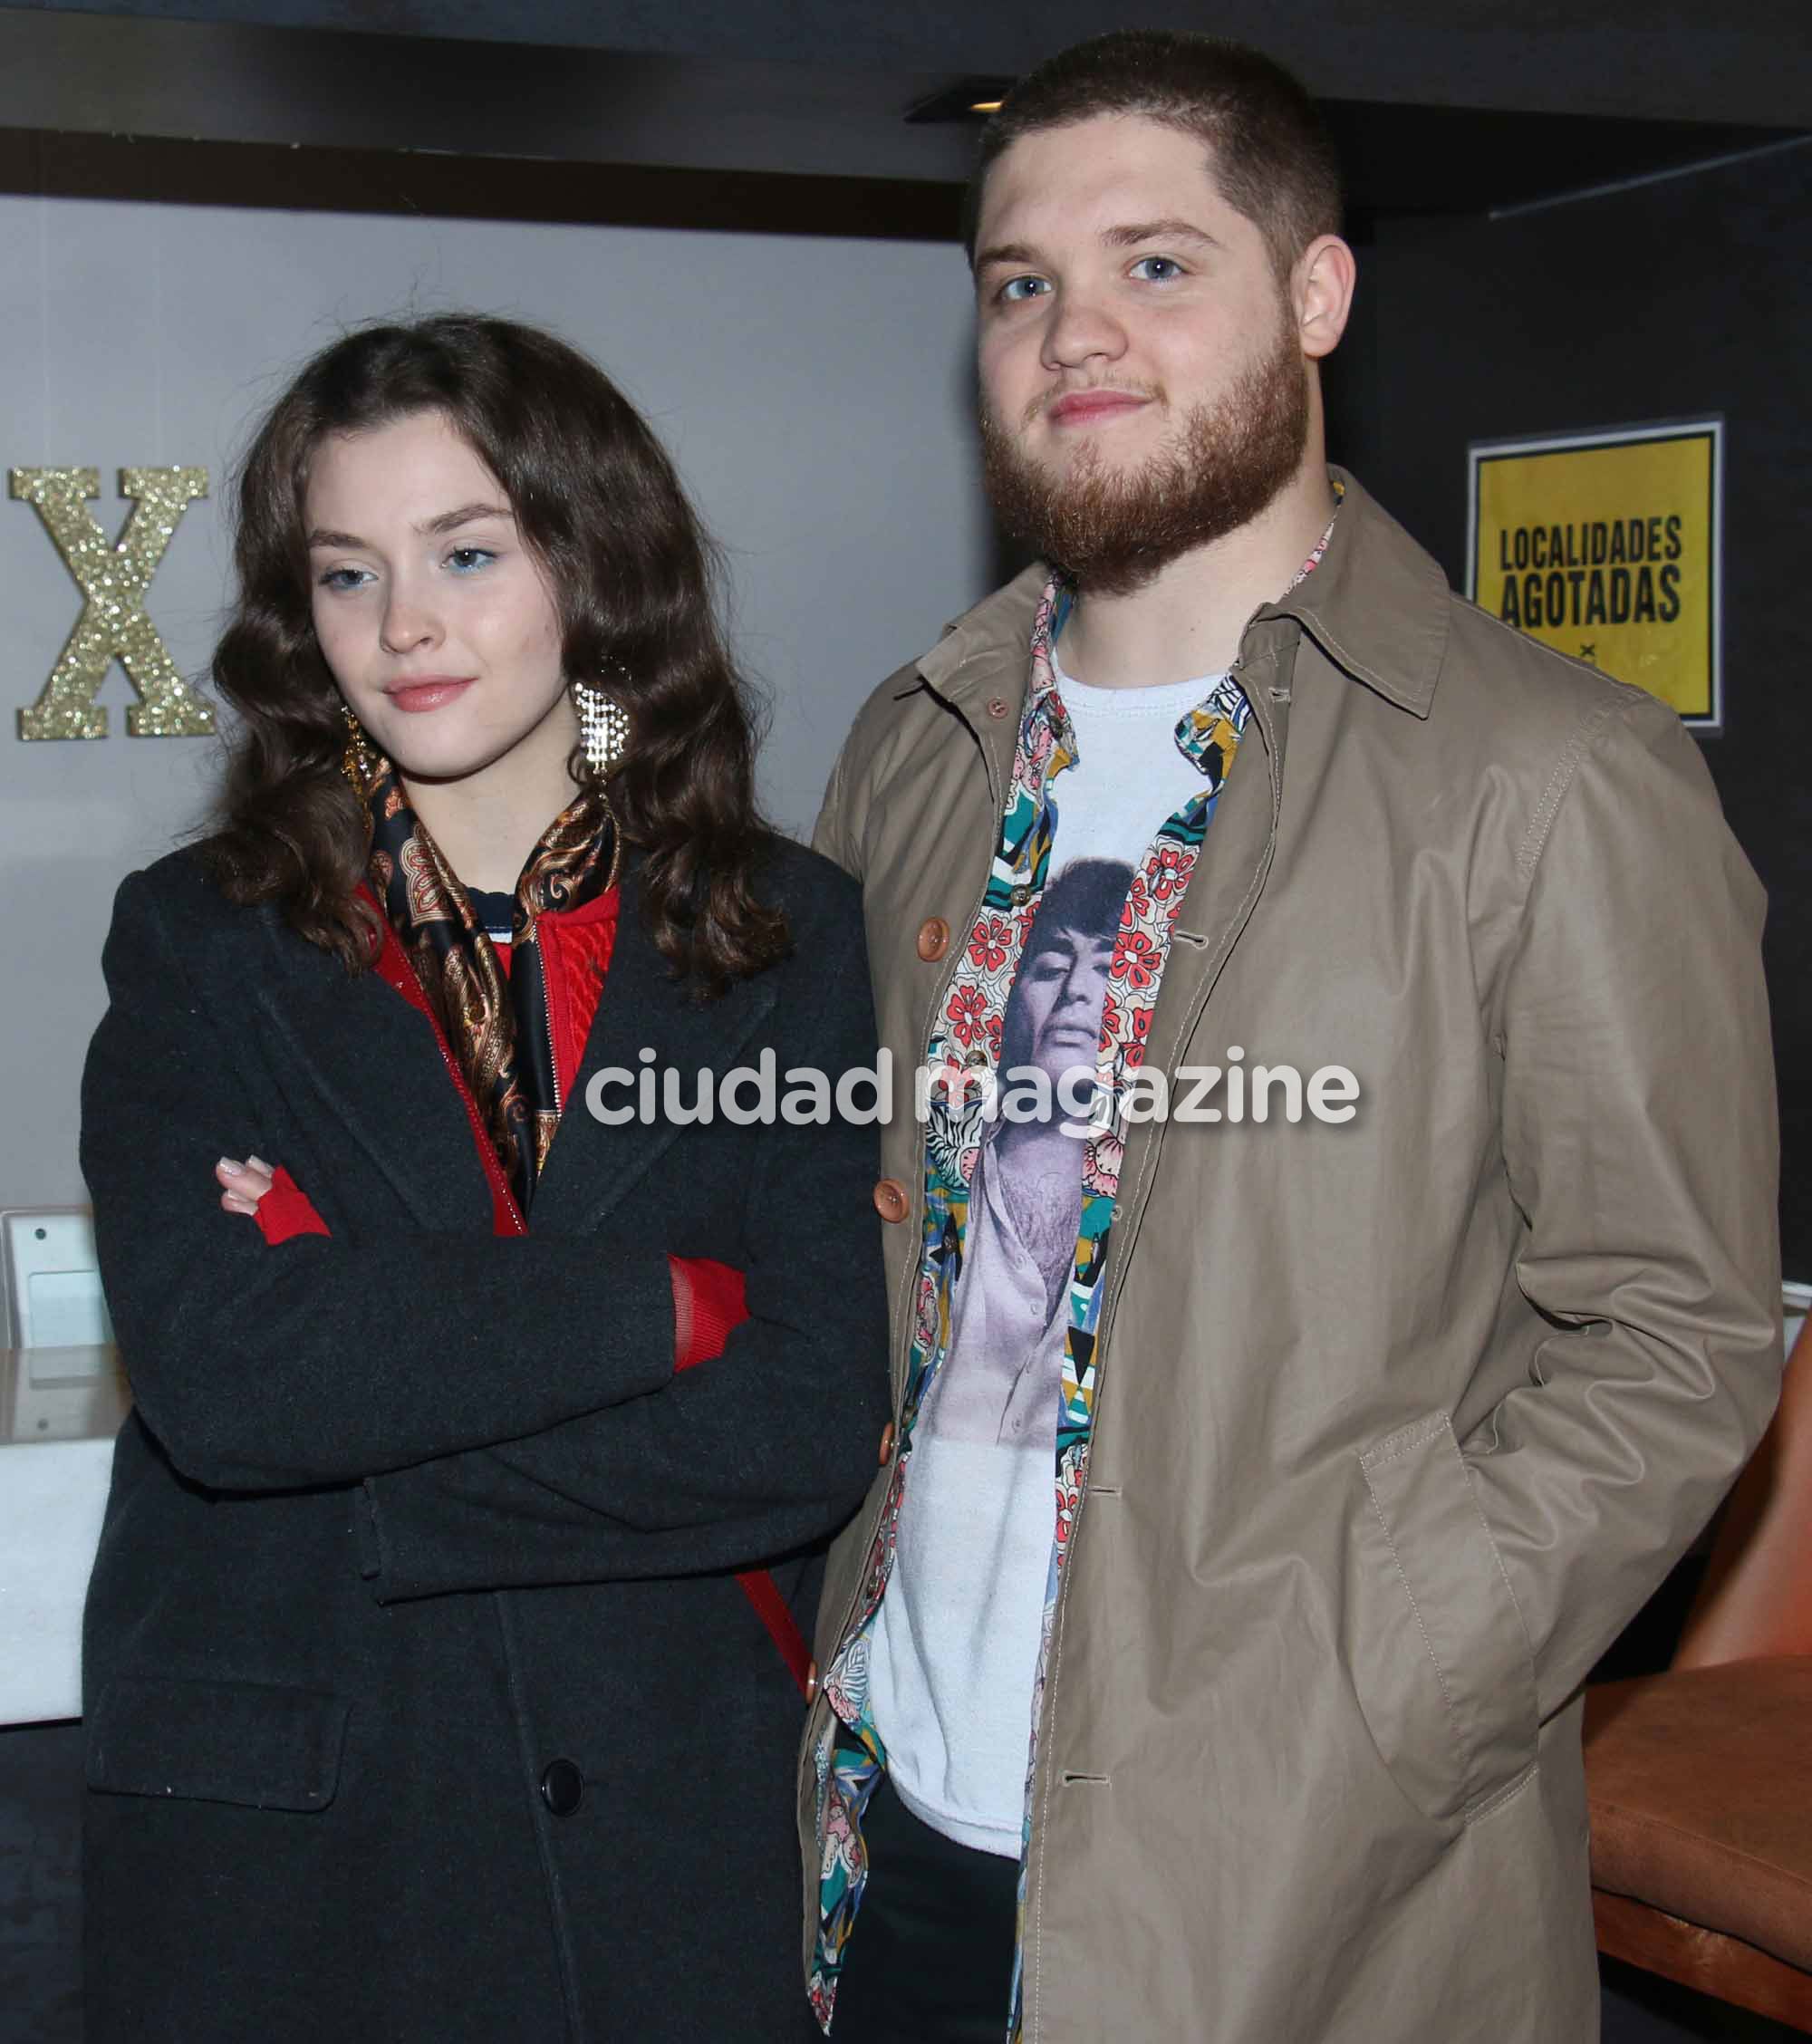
(245, 1183)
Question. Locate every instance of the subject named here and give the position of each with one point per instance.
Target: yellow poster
(1607, 545)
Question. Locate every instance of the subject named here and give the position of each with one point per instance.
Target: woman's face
(434, 616)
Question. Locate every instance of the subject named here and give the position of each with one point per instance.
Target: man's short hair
(1272, 159)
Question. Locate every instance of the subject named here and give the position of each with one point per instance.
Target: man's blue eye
(1157, 269)
(1015, 290)
(464, 560)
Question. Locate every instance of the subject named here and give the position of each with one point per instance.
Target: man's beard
(1113, 531)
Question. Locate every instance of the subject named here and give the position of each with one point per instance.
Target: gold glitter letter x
(113, 579)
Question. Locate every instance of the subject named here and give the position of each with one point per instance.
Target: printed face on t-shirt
(1059, 987)
(1053, 1017)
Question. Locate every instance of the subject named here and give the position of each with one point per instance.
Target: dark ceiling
(607, 109)
(1743, 61)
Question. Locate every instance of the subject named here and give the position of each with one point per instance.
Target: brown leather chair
(1701, 1778)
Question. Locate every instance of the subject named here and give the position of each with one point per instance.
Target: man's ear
(1321, 294)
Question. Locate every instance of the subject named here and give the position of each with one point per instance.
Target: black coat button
(563, 1787)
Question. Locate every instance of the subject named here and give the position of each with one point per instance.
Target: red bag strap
(764, 1592)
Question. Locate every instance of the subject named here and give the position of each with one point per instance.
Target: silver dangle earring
(603, 726)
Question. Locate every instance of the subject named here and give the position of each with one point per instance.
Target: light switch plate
(53, 1296)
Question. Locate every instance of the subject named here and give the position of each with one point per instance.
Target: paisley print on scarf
(494, 1021)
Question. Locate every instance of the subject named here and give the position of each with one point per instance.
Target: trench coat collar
(1376, 606)
(988, 650)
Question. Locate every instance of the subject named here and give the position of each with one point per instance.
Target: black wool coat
(423, 1701)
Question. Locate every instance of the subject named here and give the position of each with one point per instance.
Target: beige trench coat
(1400, 1421)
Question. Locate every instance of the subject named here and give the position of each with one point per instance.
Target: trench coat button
(891, 1202)
(886, 1444)
(997, 707)
(563, 1787)
(812, 1682)
(934, 939)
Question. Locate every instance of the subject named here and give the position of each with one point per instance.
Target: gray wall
(815, 393)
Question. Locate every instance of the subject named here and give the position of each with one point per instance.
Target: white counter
(59, 1409)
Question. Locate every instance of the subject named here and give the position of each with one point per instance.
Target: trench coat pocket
(1440, 1655)
(254, 1744)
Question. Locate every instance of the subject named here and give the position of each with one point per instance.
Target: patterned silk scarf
(496, 1023)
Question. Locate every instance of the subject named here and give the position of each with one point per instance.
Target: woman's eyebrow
(443, 521)
(448, 521)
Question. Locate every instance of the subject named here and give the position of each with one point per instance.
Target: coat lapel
(370, 1061)
(593, 1166)
(1230, 874)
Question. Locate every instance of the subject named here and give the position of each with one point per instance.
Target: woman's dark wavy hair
(634, 577)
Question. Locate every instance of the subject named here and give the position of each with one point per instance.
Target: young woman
(443, 1661)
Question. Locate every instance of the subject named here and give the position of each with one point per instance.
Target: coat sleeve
(746, 1456)
(830, 835)
(317, 1361)
(1641, 1141)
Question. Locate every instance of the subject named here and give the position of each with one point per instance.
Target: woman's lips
(429, 692)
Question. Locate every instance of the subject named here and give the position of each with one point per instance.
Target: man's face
(1142, 388)
(1059, 987)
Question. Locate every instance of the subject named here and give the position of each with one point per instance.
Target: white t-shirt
(1129, 773)
(954, 1651)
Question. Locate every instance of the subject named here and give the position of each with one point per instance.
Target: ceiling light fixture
(969, 100)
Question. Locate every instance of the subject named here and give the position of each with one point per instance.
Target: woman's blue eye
(1016, 290)
(345, 578)
(1157, 269)
(464, 560)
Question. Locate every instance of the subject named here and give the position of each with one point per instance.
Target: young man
(1374, 1426)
